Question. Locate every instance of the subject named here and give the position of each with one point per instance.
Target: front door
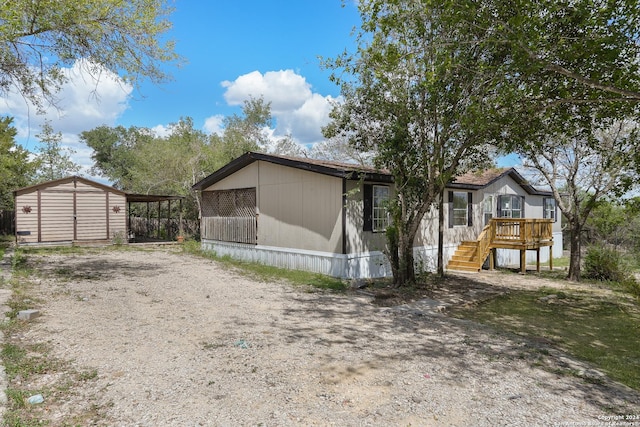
(487, 208)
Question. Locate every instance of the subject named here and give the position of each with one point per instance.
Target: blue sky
(232, 50)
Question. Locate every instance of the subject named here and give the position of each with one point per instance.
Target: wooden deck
(521, 234)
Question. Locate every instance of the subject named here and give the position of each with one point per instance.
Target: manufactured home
(330, 217)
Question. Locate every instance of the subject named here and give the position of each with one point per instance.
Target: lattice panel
(229, 203)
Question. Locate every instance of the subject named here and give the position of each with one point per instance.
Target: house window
(511, 206)
(376, 198)
(487, 208)
(460, 208)
(549, 208)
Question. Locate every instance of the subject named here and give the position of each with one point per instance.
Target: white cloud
(85, 101)
(213, 124)
(161, 131)
(296, 109)
(90, 98)
(285, 89)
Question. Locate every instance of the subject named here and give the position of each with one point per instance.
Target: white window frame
(549, 208)
(463, 195)
(488, 208)
(509, 209)
(380, 215)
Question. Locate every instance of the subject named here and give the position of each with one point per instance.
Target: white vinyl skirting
(356, 265)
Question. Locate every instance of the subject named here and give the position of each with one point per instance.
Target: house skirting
(364, 265)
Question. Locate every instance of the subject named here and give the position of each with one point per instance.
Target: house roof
(481, 179)
(324, 167)
(468, 181)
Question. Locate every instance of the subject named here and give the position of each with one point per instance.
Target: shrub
(605, 264)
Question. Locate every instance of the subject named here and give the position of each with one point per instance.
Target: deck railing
(521, 230)
(231, 229)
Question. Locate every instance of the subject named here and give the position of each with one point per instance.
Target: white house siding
(357, 240)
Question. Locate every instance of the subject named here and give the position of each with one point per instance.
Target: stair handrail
(484, 244)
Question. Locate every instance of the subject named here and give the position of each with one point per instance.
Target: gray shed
(70, 210)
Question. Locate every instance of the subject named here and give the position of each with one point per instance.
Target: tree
(582, 170)
(171, 165)
(465, 72)
(114, 152)
(288, 147)
(55, 160)
(340, 150)
(38, 38)
(17, 168)
(246, 132)
(418, 99)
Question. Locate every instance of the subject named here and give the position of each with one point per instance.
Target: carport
(154, 218)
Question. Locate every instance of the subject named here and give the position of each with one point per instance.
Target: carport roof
(150, 198)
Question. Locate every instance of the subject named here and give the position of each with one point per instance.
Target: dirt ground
(167, 339)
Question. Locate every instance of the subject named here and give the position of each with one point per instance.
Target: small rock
(35, 399)
(28, 314)
(548, 298)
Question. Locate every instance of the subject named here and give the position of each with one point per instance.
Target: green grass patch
(562, 262)
(268, 273)
(600, 330)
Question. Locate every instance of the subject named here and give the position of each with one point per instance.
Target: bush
(605, 264)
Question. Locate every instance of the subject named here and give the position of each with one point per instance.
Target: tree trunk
(400, 247)
(406, 271)
(574, 260)
(392, 249)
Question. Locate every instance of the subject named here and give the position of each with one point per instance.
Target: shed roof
(131, 197)
(68, 179)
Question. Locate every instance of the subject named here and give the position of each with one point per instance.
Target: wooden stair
(465, 257)
(507, 233)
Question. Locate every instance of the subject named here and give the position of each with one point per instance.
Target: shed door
(56, 216)
(91, 215)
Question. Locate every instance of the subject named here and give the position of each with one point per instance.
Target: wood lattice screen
(230, 216)
(229, 203)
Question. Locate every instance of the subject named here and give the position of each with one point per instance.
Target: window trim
(380, 210)
(546, 210)
(370, 221)
(501, 197)
(469, 222)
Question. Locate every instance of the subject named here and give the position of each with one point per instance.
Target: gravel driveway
(180, 341)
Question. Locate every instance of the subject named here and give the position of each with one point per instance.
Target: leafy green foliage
(433, 83)
(55, 160)
(607, 265)
(37, 38)
(418, 93)
(139, 161)
(617, 224)
(17, 168)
